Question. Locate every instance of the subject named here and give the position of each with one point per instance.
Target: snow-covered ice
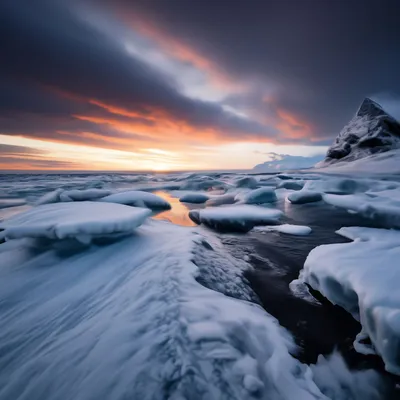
(129, 320)
(6, 203)
(239, 218)
(194, 198)
(304, 196)
(80, 221)
(60, 195)
(138, 198)
(246, 182)
(291, 185)
(296, 230)
(379, 207)
(337, 381)
(363, 277)
(257, 196)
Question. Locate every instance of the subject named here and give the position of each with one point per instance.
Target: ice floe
(363, 277)
(6, 203)
(257, 196)
(138, 198)
(238, 218)
(296, 230)
(80, 221)
(381, 208)
(246, 182)
(194, 198)
(61, 195)
(304, 196)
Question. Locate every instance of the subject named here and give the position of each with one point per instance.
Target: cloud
(130, 75)
(282, 162)
(74, 67)
(315, 60)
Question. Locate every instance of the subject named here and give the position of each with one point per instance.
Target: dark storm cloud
(323, 57)
(46, 45)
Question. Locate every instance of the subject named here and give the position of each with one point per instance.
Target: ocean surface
(57, 299)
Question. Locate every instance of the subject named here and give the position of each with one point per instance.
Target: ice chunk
(291, 185)
(6, 203)
(338, 185)
(81, 221)
(60, 195)
(246, 182)
(258, 196)
(238, 218)
(383, 210)
(222, 199)
(83, 195)
(204, 183)
(363, 277)
(297, 230)
(194, 198)
(304, 196)
(138, 198)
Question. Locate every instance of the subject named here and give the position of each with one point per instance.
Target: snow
(296, 230)
(129, 320)
(336, 380)
(240, 218)
(382, 163)
(304, 196)
(283, 162)
(363, 277)
(138, 198)
(6, 203)
(194, 198)
(257, 196)
(81, 221)
(61, 195)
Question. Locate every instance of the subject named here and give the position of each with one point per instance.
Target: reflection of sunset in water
(179, 213)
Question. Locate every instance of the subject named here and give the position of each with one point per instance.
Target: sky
(187, 84)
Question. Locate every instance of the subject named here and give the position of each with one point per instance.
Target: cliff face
(371, 131)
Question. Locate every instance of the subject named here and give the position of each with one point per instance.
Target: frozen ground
(107, 300)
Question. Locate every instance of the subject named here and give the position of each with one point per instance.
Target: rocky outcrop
(372, 130)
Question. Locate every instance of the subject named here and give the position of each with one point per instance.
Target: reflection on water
(179, 212)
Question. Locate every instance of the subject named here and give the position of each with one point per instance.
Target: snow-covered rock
(238, 218)
(222, 199)
(371, 131)
(304, 196)
(257, 196)
(138, 198)
(296, 230)
(363, 277)
(81, 221)
(194, 198)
